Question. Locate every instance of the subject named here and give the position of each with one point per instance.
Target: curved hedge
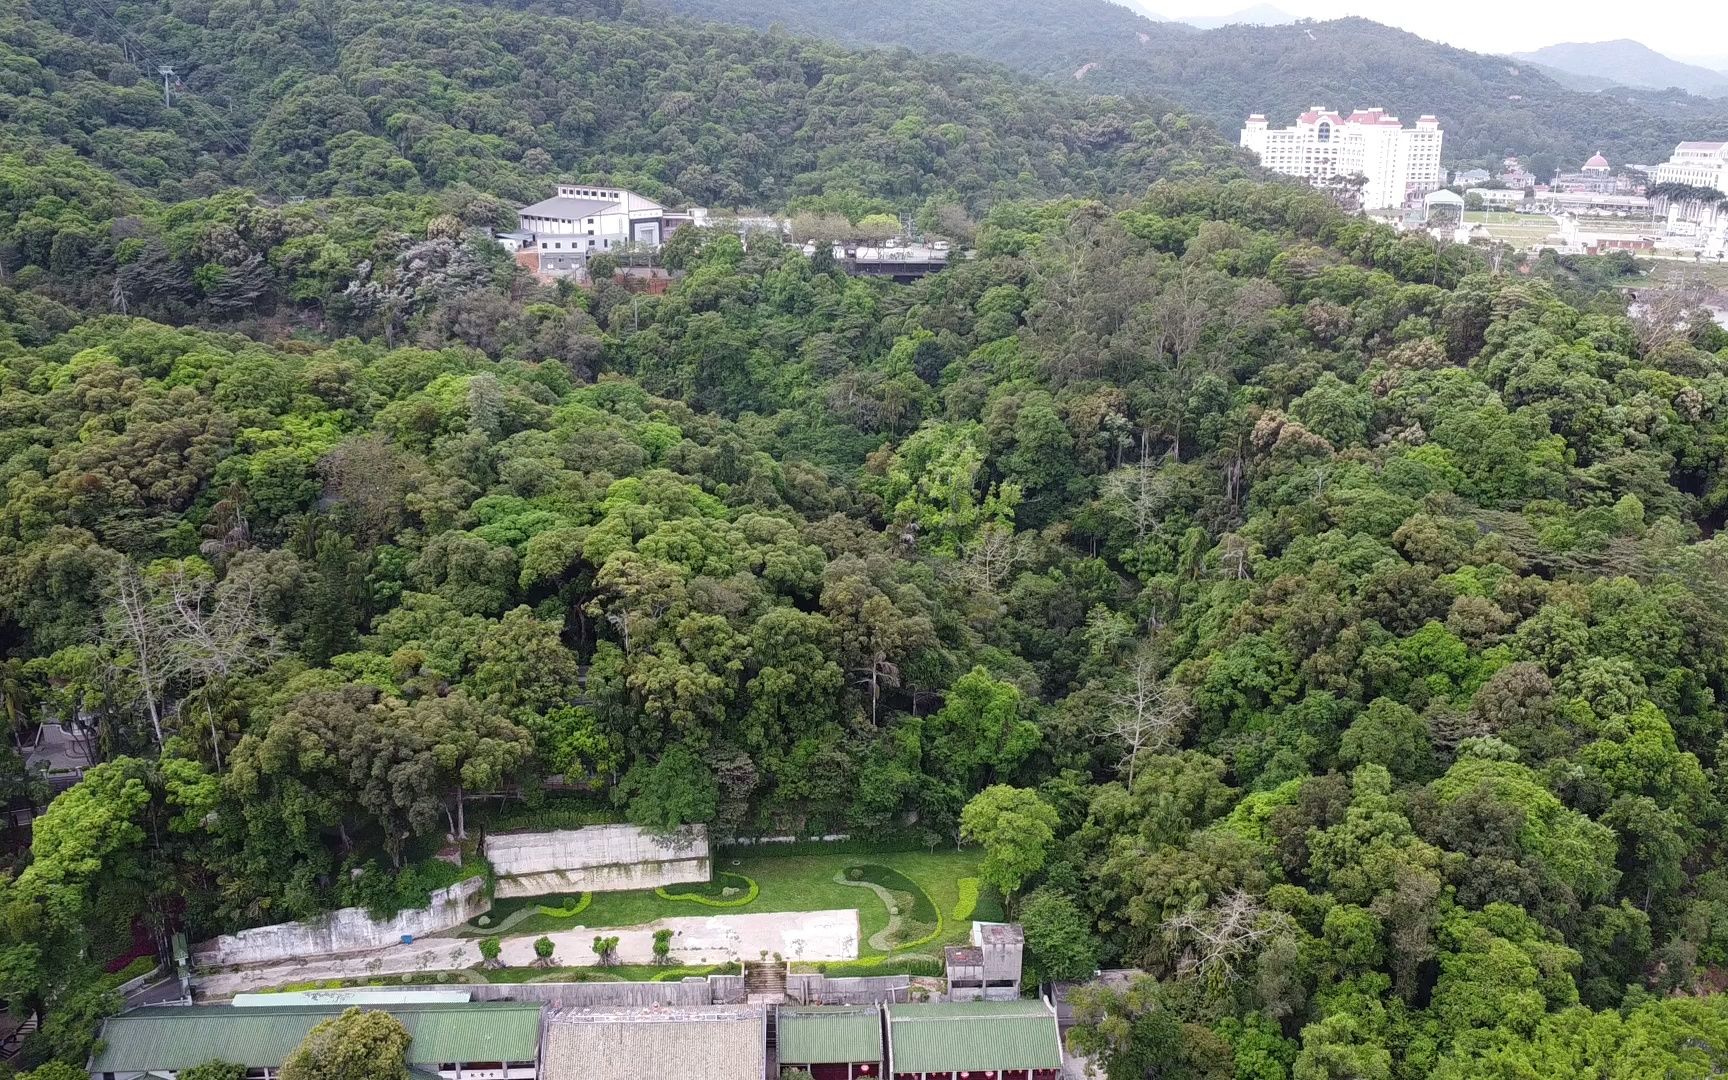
(923, 913)
(570, 912)
(751, 891)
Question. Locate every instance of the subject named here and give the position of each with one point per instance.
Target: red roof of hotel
(1312, 117)
(1373, 116)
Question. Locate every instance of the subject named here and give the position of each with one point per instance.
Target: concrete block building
(988, 969)
(454, 1041)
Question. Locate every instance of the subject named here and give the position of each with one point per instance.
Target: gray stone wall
(599, 858)
(346, 930)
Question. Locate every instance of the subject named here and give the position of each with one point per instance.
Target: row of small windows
(558, 245)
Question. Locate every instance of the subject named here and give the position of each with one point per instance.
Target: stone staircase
(765, 981)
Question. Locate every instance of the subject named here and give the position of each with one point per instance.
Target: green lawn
(1690, 272)
(795, 883)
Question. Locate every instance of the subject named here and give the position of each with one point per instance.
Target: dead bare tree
(1139, 492)
(137, 638)
(1145, 713)
(1665, 315)
(1214, 940)
(992, 555)
(217, 631)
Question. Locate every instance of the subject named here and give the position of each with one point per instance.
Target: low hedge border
(751, 891)
(967, 888)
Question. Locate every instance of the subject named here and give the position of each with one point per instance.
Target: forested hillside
(395, 96)
(1488, 105)
(1300, 613)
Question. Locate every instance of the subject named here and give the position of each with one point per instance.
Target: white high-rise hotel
(1399, 162)
(1701, 164)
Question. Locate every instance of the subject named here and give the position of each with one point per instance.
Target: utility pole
(168, 81)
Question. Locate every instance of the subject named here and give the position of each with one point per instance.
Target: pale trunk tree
(138, 638)
(992, 556)
(1145, 714)
(1215, 939)
(1140, 492)
(216, 638)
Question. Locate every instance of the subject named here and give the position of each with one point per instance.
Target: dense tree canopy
(1302, 614)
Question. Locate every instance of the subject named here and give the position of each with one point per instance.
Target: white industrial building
(558, 235)
(1701, 164)
(1324, 146)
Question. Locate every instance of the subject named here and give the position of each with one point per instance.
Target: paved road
(162, 992)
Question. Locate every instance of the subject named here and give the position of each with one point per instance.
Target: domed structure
(1596, 164)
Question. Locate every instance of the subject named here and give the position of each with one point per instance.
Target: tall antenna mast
(168, 81)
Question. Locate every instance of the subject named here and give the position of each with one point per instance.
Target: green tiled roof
(174, 1037)
(830, 1036)
(974, 1036)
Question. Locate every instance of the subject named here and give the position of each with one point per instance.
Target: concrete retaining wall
(347, 930)
(856, 990)
(693, 992)
(687, 993)
(599, 858)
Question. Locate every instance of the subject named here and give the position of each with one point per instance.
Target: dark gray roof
(561, 206)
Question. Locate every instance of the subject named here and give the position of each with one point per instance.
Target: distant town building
(1592, 203)
(1701, 164)
(559, 235)
(1594, 177)
(1324, 147)
(1497, 198)
(1514, 174)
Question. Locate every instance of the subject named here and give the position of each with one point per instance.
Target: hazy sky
(1684, 29)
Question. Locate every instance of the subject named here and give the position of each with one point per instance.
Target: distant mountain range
(1256, 15)
(1602, 64)
(1489, 106)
